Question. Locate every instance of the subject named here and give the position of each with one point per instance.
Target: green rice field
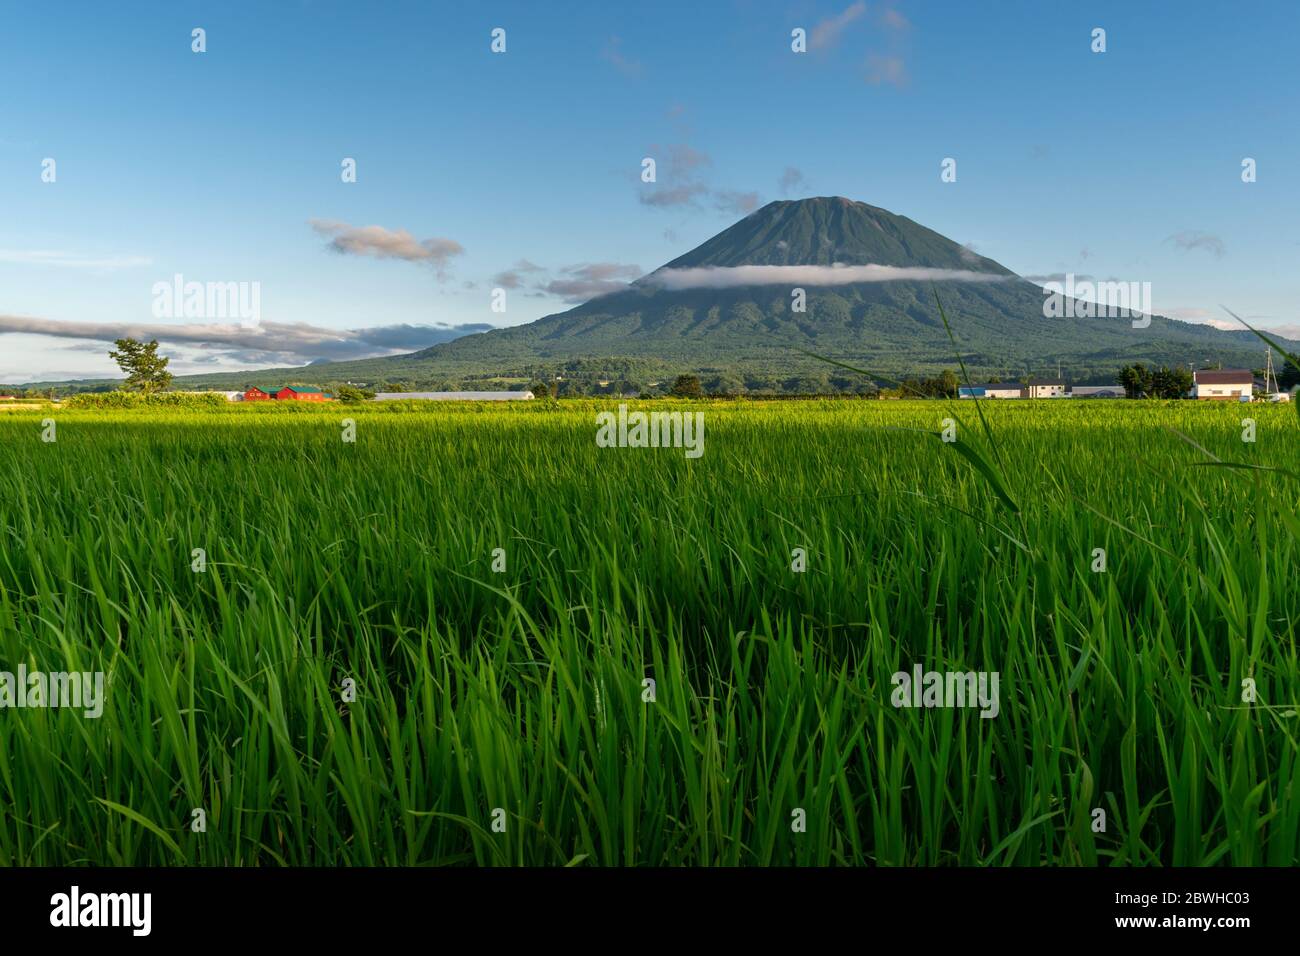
(315, 654)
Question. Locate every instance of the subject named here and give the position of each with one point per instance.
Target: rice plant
(472, 636)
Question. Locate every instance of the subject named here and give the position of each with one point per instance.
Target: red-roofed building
(287, 393)
(297, 393)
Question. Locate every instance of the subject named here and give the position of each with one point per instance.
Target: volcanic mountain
(711, 309)
(726, 310)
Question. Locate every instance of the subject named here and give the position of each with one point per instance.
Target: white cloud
(729, 277)
(886, 69)
(613, 54)
(1191, 239)
(284, 342)
(827, 32)
(48, 257)
(792, 180)
(380, 243)
(587, 280)
(682, 184)
(1203, 316)
(894, 20)
(683, 195)
(1216, 319)
(735, 203)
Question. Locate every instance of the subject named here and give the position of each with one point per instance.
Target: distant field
(348, 680)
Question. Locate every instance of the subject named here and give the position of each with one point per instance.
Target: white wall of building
(1224, 391)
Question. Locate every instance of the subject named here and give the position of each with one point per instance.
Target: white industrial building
(453, 396)
(996, 390)
(1045, 388)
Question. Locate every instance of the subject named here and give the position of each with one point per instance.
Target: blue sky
(1124, 164)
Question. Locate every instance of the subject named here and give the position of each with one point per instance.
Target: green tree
(1169, 382)
(146, 372)
(352, 394)
(725, 385)
(1162, 382)
(805, 385)
(572, 388)
(686, 386)
(1136, 380)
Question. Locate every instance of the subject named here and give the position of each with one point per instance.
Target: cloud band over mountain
(730, 277)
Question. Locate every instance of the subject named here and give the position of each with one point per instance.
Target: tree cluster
(1163, 382)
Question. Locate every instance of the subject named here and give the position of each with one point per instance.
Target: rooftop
(1224, 376)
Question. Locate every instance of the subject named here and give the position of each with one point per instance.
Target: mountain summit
(829, 230)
